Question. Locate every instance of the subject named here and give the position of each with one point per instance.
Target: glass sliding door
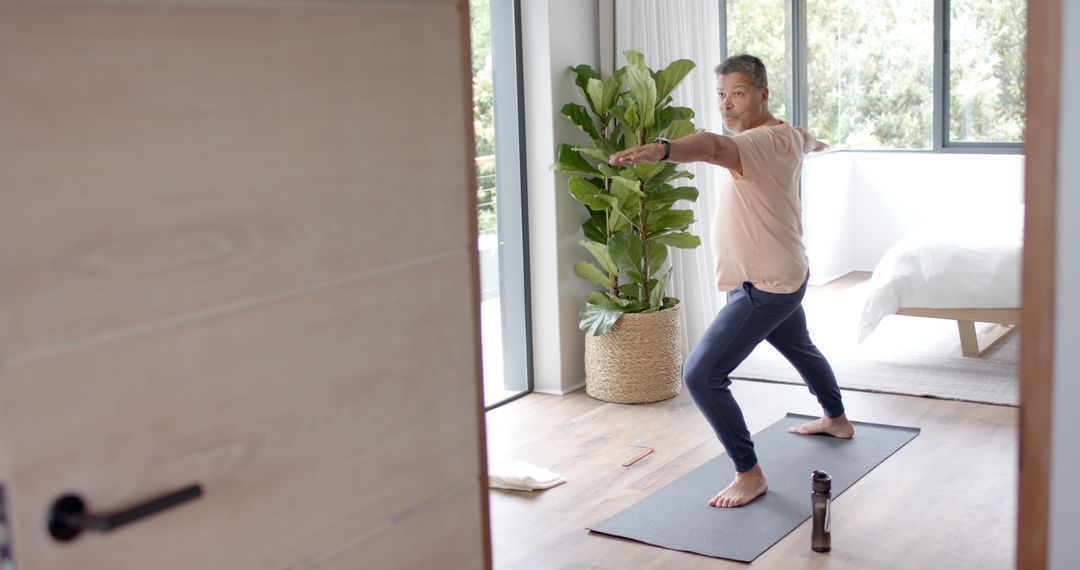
(500, 212)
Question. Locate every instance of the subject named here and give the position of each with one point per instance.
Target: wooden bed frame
(971, 344)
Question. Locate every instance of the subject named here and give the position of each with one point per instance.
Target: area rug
(913, 356)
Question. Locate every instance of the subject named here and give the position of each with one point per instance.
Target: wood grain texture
(315, 420)
(167, 159)
(238, 249)
(1043, 76)
(1002, 316)
(946, 500)
(971, 344)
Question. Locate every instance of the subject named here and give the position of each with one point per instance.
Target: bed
(967, 271)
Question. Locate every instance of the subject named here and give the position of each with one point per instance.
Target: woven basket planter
(637, 361)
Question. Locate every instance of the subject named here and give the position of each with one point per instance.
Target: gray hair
(747, 64)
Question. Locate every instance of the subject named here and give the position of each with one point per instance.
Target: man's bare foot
(746, 487)
(837, 427)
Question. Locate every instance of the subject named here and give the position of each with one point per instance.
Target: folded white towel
(522, 476)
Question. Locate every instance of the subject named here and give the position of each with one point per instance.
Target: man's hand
(651, 152)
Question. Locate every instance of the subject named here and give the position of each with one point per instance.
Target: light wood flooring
(945, 501)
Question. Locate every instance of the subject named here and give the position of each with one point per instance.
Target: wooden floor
(945, 501)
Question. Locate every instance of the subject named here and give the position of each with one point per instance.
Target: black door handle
(68, 516)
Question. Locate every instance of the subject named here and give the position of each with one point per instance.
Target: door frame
(1043, 92)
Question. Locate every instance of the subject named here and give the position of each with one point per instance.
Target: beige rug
(912, 356)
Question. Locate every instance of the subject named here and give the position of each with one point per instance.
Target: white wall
(856, 205)
(556, 35)
(1064, 549)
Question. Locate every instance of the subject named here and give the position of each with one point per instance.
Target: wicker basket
(637, 361)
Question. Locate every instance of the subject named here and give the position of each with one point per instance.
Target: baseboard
(564, 391)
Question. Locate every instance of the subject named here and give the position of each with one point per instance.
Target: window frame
(512, 213)
(940, 128)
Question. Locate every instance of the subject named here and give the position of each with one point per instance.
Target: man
(760, 261)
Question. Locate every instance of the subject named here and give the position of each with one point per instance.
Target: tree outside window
(986, 70)
(483, 114)
(762, 28)
(870, 68)
(870, 73)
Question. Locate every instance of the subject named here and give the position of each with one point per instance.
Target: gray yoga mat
(679, 517)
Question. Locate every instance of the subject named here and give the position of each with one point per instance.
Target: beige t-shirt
(757, 231)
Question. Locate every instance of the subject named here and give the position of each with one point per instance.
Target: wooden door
(237, 251)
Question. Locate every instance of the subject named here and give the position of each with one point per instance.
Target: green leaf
(619, 221)
(630, 118)
(580, 117)
(678, 129)
(680, 174)
(657, 256)
(612, 88)
(595, 90)
(658, 222)
(569, 160)
(642, 88)
(600, 298)
(597, 155)
(587, 193)
(668, 79)
(647, 170)
(682, 240)
(670, 172)
(608, 146)
(600, 252)
(593, 228)
(667, 115)
(633, 290)
(596, 320)
(656, 296)
(626, 186)
(607, 170)
(582, 74)
(622, 303)
(625, 250)
(586, 270)
(629, 200)
(667, 195)
(634, 57)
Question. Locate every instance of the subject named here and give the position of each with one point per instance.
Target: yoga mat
(679, 517)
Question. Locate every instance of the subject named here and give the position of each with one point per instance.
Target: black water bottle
(821, 501)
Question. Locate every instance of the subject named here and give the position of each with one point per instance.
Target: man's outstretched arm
(698, 147)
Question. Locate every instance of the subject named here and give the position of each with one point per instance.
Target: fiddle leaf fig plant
(633, 218)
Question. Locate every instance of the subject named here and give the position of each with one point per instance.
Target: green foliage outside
(870, 68)
(986, 97)
(483, 113)
(760, 28)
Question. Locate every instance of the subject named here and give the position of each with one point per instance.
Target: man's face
(741, 104)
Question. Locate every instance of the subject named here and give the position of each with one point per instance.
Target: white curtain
(666, 31)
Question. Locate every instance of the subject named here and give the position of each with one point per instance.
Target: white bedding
(961, 265)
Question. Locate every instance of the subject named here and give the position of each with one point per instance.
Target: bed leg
(969, 340)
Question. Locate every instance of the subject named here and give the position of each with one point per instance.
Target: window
(870, 73)
(986, 70)
(497, 118)
(891, 74)
(761, 28)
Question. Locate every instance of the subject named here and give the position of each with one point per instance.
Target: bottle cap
(821, 482)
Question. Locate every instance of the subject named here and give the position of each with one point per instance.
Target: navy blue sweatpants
(750, 316)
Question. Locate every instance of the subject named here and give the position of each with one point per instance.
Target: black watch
(667, 147)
